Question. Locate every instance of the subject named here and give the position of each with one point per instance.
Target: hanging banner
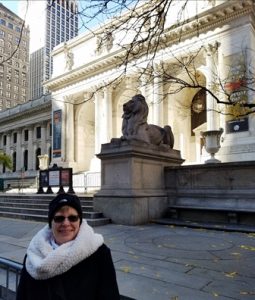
(57, 125)
(235, 83)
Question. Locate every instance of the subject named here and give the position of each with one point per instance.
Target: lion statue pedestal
(132, 173)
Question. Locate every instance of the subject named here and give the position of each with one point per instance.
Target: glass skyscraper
(51, 22)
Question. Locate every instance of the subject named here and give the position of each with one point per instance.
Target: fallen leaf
(247, 293)
(126, 269)
(236, 254)
(231, 274)
(246, 247)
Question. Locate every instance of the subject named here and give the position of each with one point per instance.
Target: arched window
(198, 110)
(14, 157)
(25, 160)
(37, 152)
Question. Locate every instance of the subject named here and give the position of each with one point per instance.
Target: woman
(66, 260)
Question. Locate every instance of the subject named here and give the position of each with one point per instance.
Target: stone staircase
(34, 207)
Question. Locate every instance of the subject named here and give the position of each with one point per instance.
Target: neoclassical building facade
(89, 86)
(25, 134)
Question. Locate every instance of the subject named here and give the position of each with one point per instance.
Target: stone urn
(43, 161)
(211, 140)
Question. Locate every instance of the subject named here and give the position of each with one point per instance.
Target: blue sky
(11, 4)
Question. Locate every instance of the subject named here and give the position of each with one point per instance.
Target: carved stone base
(132, 181)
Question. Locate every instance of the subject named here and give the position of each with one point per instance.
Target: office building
(51, 22)
(14, 59)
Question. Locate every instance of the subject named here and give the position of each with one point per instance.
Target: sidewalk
(157, 262)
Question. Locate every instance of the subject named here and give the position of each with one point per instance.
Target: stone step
(213, 208)
(43, 218)
(44, 211)
(25, 205)
(205, 225)
(44, 203)
(30, 207)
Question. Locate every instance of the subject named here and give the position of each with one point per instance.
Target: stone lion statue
(135, 126)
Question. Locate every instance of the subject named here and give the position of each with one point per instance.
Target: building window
(10, 25)
(1, 33)
(26, 135)
(4, 140)
(37, 153)
(14, 156)
(15, 138)
(38, 132)
(25, 160)
(2, 22)
(198, 110)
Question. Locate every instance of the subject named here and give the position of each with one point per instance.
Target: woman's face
(66, 230)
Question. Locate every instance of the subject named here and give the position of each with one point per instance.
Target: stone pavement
(160, 262)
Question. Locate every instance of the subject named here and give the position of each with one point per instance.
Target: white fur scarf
(43, 262)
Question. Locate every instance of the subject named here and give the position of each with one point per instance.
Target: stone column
(19, 154)
(97, 123)
(8, 143)
(95, 164)
(143, 85)
(211, 62)
(69, 130)
(9, 151)
(31, 152)
(106, 114)
(43, 138)
(158, 96)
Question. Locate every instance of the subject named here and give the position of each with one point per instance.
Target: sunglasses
(71, 218)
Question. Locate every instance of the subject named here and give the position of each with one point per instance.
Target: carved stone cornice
(203, 22)
(26, 111)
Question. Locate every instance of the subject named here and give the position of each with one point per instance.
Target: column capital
(69, 99)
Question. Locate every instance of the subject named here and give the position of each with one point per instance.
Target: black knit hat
(62, 200)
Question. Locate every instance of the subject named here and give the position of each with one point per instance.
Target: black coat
(93, 278)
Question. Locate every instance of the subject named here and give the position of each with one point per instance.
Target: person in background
(66, 259)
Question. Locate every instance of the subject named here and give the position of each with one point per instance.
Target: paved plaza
(160, 262)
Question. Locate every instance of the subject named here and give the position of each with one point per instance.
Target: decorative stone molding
(209, 19)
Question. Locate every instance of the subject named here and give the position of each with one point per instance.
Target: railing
(9, 278)
(92, 180)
